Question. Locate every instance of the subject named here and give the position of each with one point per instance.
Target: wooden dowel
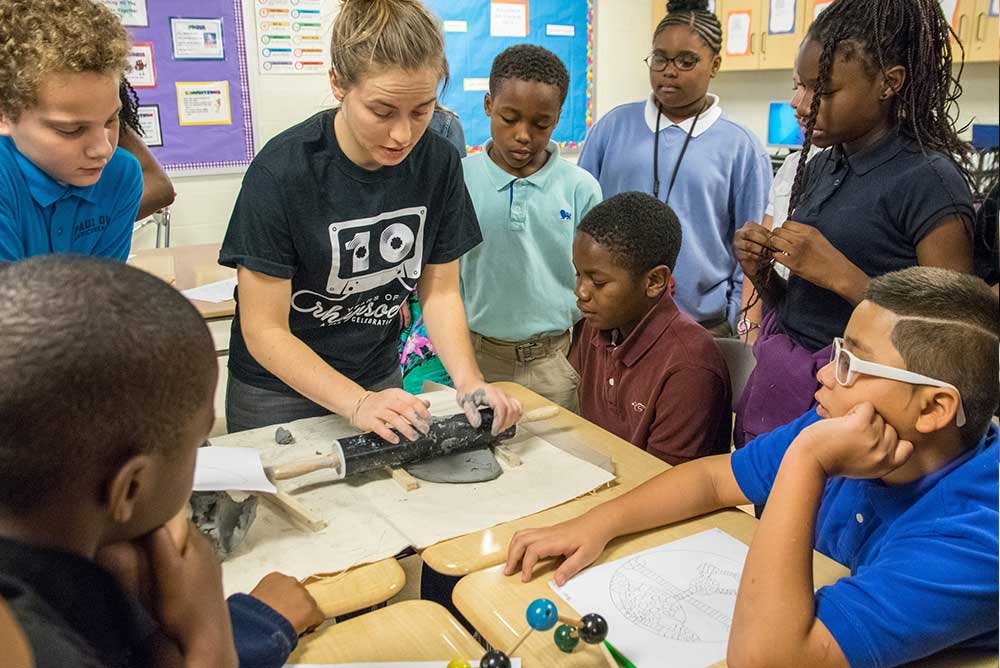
(520, 639)
(571, 621)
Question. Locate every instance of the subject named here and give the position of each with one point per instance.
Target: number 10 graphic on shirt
(371, 252)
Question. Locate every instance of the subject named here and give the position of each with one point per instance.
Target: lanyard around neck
(656, 153)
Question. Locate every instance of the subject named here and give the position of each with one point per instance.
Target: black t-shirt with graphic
(352, 241)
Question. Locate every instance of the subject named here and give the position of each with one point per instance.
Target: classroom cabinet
(978, 26)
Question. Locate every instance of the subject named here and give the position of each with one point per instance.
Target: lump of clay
(462, 467)
(283, 437)
(223, 519)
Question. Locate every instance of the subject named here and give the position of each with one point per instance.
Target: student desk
(406, 631)
(357, 588)
(482, 549)
(187, 267)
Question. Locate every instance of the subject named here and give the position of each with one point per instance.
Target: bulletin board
(475, 31)
(190, 73)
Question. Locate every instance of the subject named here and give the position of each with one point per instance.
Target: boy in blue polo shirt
(517, 285)
(894, 475)
(64, 186)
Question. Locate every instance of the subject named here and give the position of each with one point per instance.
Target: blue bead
(542, 614)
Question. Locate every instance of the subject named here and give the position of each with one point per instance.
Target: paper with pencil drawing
(674, 600)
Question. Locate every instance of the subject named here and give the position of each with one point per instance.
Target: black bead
(494, 659)
(594, 629)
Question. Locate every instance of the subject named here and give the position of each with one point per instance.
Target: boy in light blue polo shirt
(64, 186)
(517, 285)
(894, 475)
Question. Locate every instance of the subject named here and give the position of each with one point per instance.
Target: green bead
(566, 638)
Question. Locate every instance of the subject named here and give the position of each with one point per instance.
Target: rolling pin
(366, 452)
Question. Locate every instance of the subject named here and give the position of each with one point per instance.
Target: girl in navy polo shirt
(876, 91)
(339, 219)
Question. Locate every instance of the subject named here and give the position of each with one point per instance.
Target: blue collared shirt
(923, 556)
(39, 215)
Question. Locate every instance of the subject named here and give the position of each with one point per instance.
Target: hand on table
(577, 540)
(382, 412)
(506, 410)
(861, 444)
(290, 599)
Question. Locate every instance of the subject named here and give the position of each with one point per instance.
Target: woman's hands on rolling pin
(506, 410)
(392, 409)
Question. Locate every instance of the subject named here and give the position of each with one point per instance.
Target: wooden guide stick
(571, 621)
(520, 639)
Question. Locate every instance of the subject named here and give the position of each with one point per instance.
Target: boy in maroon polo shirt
(648, 373)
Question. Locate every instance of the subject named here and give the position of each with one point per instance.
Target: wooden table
(357, 588)
(482, 549)
(406, 631)
(494, 604)
(187, 267)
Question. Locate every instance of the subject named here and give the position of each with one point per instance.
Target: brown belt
(525, 351)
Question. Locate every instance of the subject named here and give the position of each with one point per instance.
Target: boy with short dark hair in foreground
(894, 474)
(108, 376)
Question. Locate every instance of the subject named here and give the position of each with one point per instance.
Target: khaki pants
(538, 364)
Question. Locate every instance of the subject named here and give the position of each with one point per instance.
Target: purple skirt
(782, 384)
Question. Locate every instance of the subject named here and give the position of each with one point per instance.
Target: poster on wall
(781, 18)
(131, 12)
(203, 103)
(509, 18)
(197, 39)
(142, 69)
(291, 36)
(149, 121)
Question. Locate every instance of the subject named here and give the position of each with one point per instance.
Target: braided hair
(129, 114)
(695, 15)
(885, 33)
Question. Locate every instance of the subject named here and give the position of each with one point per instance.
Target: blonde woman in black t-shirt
(339, 219)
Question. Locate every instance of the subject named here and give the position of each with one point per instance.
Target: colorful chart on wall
(189, 70)
(475, 31)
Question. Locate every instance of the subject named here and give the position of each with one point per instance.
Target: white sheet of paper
(370, 517)
(819, 7)
(203, 103)
(514, 662)
(230, 469)
(456, 26)
(149, 121)
(738, 34)
(508, 19)
(197, 39)
(557, 30)
(219, 291)
(995, 8)
(140, 59)
(781, 18)
(476, 84)
(674, 600)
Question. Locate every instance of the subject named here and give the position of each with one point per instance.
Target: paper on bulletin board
(950, 9)
(142, 72)
(149, 121)
(781, 18)
(131, 12)
(291, 36)
(476, 84)
(197, 39)
(455, 26)
(738, 33)
(820, 6)
(203, 103)
(509, 18)
(556, 30)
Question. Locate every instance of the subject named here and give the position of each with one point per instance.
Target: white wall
(622, 38)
